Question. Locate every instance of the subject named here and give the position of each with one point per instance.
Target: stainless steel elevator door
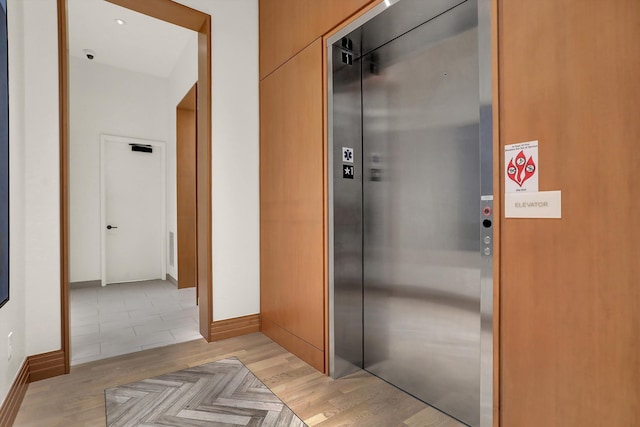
(421, 198)
(347, 206)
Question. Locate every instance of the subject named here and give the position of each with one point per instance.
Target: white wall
(12, 317)
(235, 155)
(182, 78)
(42, 177)
(103, 99)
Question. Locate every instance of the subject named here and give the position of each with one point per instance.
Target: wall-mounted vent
(142, 148)
(171, 251)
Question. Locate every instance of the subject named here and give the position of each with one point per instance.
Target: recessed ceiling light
(120, 21)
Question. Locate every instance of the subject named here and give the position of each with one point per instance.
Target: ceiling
(143, 44)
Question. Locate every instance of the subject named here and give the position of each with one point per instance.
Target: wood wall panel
(63, 120)
(570, 298)
(288, 26)
(204, 184)
(292, 199)
(186, 137)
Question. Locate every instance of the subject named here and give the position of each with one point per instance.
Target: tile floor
(128, 317)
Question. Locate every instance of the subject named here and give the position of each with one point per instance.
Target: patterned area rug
(222, 393)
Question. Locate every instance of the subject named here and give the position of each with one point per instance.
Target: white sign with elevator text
(541, 204)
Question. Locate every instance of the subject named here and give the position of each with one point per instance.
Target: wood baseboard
(305, 351)
(34, 368)
(46, 365)
(229, 328)
(11, 404)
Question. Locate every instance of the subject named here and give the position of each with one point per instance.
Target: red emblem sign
(522, 170)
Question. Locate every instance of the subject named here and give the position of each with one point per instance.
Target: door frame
(113, 139)
(200, 22)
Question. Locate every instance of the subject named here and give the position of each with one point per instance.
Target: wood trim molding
(168, 11)
(11, 405)
(46, 365)
(203, 181)
(229, 328)
(63, 100)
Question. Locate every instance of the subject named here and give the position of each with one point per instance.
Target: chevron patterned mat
(222, 393)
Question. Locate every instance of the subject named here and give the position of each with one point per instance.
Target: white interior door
(133, 209)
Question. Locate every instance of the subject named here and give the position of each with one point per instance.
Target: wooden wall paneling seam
(497, 209)
(15, 395)
(288, 60)
(63, 105)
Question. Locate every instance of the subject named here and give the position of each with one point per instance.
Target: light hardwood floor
(360, 399)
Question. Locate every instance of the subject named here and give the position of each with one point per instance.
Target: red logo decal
(522, 170)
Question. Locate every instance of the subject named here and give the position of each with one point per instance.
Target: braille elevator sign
(347, 171)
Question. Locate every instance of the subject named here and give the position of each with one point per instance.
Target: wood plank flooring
(360, 399)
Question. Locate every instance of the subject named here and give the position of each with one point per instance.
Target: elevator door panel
(421, 198)
(347, 205)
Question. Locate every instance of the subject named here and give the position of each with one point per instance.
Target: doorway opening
(182, 16)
